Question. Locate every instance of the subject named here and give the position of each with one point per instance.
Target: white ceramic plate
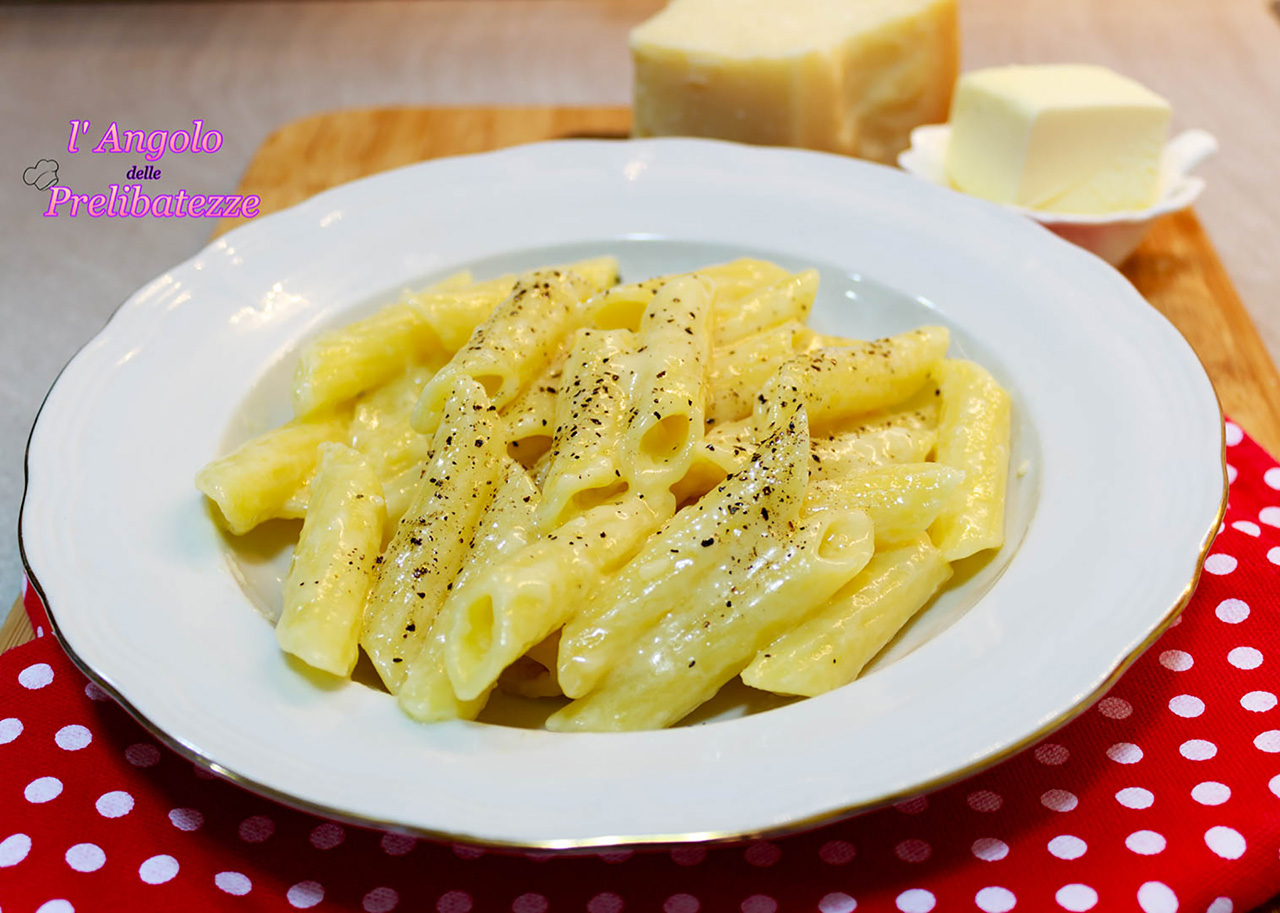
(1117, 427)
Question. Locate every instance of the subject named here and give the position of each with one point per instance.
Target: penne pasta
(380, 425)
(902, 501)
(590, 419)
(332, 565)
(832, 647)
(526, 598)
(739, 370)
(765, 495)
(264, 478)
(531, 417)
(669, 385)
(512, 346)
(505, 527)
(714, 632)
(430, 543)
(788, 300)
(973, 436)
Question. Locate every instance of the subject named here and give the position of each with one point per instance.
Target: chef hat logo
(42, 175)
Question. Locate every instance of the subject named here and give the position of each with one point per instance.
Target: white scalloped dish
(1117, 431)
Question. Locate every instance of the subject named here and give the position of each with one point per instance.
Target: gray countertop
(245, 68)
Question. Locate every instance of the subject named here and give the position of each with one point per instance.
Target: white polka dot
(1076, 897)
(1274, 785)
(1232, 473)
(467, 852)
(1221, 905)
(1115, 708)
(681, 903)
(1135, 797)
(158, 869)
(43, 789)
(1268, 741)
(1176, 660)
(1270, 516)
(1197, 750)
(1065, 846)
(612, 857)
(454, 902)
(115, 804)
(305, 894)
(1059, 800)
(989, 849)
(1125, 753)
(397, 844)
(94, 693)
(1232, 433)
(995, 900)
(1052, 754)
(36, 676)
(759, 903)
(10, 729)
(72, 738)
(186, 819)
(233, 883)
(1157, 897)
(143, 754)
(1219, 564)
(530, 903)
(1273, 555)
(837, 902)
(1272, 477)
(1245, 658)
(1258, 701)
(836, 852)
(984, 800)
(328, 835)
(1186, 705)
(688, 855)
(913, 850)
(56, 906)
(380, 900)
(1248, 527)
(14, 849)
(762, 855)
(1145, 843)
(913, 806)
(1211, 792)
(85, 857)
(608, 902)
(256, 829)
(916, 900)
(1232, 611)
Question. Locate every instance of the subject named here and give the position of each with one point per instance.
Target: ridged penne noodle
(512, 346)
(431, 541)
(380, 425)
(740, 369)
(737, 279)
(838, 384)
(902, 501)
(454, 313)
(332, 565)
(506, 526)
(526, 598)
(710, 635)
(590, 420)
(669, 385)
(621, 307)
(837, 456)
(764, 496)
(832, 647)
(973, 435)
(789, 299)
(257, 480)
(531, 416)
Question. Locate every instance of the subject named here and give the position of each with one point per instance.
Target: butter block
(1059, 138)
(848, 76)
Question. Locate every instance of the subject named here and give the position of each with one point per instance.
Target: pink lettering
(76, 200)
(206, 144)
(197, 200)
(252, 200)
(155, 151)
(173, 141)
(166, 212)
(138, 195)
(57, 196)
(112, 136)
(96, 204)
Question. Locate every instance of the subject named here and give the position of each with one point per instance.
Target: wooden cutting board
(1176, 269)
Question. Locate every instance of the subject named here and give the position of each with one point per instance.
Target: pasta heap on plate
(622, 494)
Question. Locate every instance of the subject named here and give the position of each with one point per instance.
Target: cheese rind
(1058, 138)
(849, 76)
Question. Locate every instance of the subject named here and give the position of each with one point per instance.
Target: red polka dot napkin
(1164, 797)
